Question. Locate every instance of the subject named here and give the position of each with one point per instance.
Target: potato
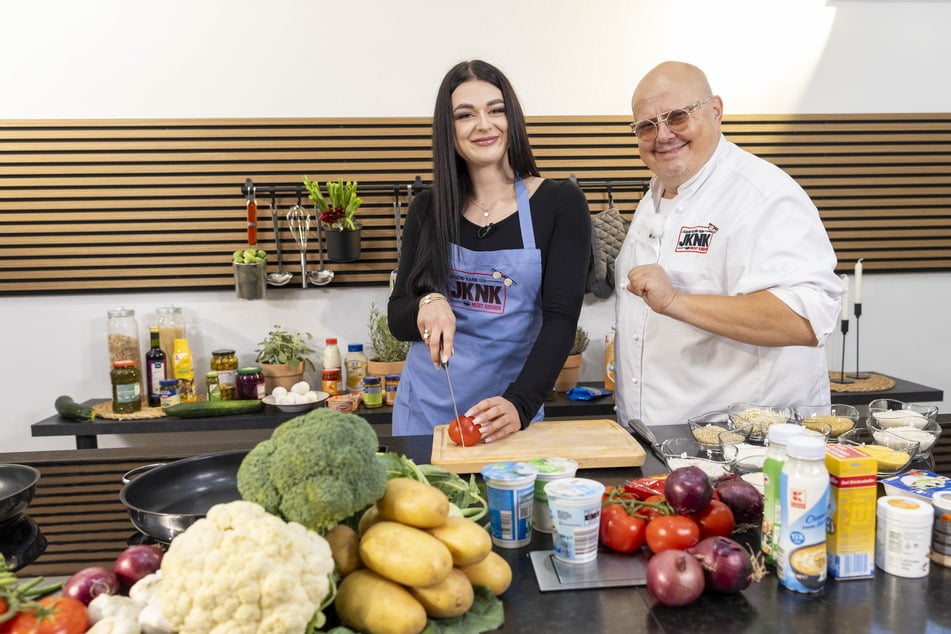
(345, 546)
(453, 596)
(468, 543)
(414, 503)
(370, 517)
(492, 572)
(405, 554)
(368, 603)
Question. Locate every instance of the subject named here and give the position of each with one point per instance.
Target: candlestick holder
(842, 379)
(857, 374)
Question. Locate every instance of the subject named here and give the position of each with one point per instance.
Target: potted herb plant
(283, 356)
(568, 377)
(337, 210)
(389, 353)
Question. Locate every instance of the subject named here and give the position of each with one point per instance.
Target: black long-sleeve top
(562, 225)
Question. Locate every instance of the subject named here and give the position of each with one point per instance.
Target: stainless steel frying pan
(17, 487)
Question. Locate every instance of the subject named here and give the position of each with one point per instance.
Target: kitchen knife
(452, 396)
(641, 431)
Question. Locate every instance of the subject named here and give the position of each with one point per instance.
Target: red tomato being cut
(463, 432)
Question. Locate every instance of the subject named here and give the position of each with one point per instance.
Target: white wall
(290, 58)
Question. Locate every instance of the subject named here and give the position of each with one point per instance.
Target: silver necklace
(485, 210)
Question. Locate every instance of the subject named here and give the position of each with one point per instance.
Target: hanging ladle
(282, 277)
(322, 276)
(298, 221)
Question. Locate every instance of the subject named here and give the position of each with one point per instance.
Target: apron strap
(524, 214)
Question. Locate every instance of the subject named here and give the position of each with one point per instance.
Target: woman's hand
(437, 326)
(496, 418)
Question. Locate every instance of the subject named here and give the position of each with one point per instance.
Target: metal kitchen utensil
(638, 429)
(397, 213)
(298, 221)
(452, 397)
(322, 276)
(282, 277)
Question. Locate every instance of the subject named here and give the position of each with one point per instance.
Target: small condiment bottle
(391, 384)
(331, 354)
(331, 381)
(169, 395)
(356, 363)
(126, 392)
(211, 382)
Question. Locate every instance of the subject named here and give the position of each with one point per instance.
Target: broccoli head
(317, 469)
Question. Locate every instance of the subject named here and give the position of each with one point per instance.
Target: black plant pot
(343, 246)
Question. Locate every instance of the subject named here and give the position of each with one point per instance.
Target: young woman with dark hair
(493, 267)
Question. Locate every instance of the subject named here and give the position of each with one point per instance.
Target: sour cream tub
(510, 492)
(575, 507)
(549, 469)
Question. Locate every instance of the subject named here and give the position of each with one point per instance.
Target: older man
(727, 274)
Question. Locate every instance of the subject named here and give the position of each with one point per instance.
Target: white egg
(284, 398)
(301, 388)
(278, 392)
(310, 397)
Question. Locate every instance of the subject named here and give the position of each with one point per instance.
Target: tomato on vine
(57, 615)
(716, 520)
(620, 531)
(671, 532)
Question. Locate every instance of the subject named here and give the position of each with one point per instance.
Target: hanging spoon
(322, 276)
(282, 277)
(299, 223)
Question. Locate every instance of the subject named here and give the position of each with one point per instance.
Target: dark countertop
(883, 604)
(560, 406)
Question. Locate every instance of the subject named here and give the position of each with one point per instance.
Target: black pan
(166, 499)
(17, 487)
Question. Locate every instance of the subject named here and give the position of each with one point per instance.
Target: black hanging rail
(596, 184)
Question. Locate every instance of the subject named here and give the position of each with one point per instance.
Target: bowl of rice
(926, 436)
(887, 412)
(687, 452)
(756, 419)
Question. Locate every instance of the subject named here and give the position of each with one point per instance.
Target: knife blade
(638, 429)
(452, 396)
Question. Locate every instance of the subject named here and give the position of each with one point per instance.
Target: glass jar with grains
(123, 335)
(171, 325)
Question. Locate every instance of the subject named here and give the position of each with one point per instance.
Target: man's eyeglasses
(676, 120)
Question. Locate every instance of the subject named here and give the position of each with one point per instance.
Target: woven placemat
(874, 383)
(104, 410)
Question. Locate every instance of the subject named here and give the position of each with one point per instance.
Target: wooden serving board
(590, 443)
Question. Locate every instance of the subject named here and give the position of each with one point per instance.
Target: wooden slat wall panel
(138, 205)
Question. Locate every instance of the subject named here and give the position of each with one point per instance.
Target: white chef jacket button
(634, 380)
(637, 337)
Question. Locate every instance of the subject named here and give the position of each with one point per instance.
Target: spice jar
(250, 383)
(225, 363)
(212, 386)
(372, 392)
(126, 392)
(390, 385)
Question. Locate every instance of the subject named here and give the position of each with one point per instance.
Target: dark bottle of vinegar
(155, 364)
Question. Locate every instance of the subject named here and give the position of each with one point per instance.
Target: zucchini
(201, 409)
(70, 409)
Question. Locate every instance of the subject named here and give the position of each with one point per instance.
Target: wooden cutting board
(590, 443)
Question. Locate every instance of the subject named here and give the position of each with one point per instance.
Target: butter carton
(850, 527)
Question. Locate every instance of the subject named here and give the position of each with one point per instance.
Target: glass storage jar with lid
(250, 383)
(171, 325)
(225, 363)
(123, 336)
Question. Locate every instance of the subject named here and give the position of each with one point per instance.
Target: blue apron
(496, 297)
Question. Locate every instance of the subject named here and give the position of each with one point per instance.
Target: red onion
(89, 583)
(688, 490)
(674, 577)
(136, 562)
(743, 498)
(727, 566)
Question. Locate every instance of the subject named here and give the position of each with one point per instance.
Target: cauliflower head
(317, 469)
(242, 570)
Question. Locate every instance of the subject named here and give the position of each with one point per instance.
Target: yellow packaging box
(850, 524)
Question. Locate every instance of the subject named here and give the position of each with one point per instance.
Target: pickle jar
(372, 392)
(213, 387)
(250, 383)
(225, 363)
(126, 392)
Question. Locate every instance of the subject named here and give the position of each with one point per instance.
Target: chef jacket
(739, 225)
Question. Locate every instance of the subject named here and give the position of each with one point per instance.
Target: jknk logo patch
(695, 239)
(478, 292)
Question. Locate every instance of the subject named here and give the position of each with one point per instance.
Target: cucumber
(201, 409)
(68, 408)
